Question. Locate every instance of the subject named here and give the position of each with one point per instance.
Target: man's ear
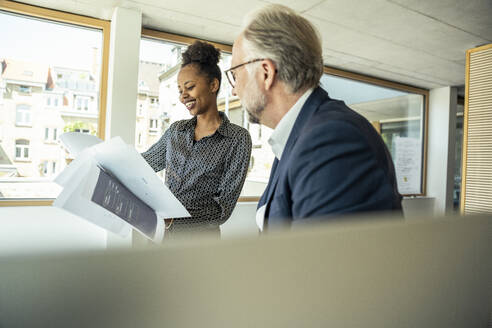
(214, 85)
(269, 72)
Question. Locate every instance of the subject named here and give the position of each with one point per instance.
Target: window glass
(158, 104)
(458, 152)
(22, 150)
(23, 115)
(46, 67)
(397, 115)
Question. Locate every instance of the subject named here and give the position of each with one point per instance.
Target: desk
(44, 229)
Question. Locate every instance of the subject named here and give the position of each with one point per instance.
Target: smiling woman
(205, 158)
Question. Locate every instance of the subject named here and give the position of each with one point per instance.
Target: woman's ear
(214, 85)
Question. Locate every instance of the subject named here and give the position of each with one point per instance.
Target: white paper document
(76, 142)
(111, 185)
(408, 164)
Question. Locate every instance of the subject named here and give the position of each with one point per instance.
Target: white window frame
(22, 149)
(24, 111)
(153, 128)
(51, 135)
(82, 103)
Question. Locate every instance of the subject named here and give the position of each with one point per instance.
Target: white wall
(126, 25)
(441, 147)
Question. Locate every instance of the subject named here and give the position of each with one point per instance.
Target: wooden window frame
(72, 19)
(185, 40)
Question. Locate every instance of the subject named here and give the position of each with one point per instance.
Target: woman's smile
(190, 104)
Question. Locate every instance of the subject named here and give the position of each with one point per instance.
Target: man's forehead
(237, 49)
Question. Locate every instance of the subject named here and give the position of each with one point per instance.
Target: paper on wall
(408, 164)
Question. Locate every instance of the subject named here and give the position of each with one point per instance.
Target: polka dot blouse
(205, 175)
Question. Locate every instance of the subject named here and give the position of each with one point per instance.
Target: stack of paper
(111, 185)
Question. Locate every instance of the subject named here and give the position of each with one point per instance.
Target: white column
(126, 26)
(441, 147)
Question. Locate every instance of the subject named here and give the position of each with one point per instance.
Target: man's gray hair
(278, 33)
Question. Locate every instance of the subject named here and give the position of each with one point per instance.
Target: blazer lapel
(269, 188)
(310, 106)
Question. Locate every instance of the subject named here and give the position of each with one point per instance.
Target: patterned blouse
(205, 175)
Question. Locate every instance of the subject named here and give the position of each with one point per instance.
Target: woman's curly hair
(206, 57)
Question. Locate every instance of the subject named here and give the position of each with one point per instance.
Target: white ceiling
(416, 42)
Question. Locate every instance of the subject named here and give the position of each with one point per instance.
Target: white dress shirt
(279, 138)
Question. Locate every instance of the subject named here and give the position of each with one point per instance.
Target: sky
(35, 40)
(354, 92)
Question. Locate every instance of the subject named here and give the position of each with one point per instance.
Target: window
(50, 134)
(22, 150)
(49, 168)
(86, 131)
(53, 101)
(49, 75)
(255, 132)
(45, 168)
(23, 115)
(153, 124)
(396, 111)
(398, 115)
(458, 155)
(25, 89)
(82, 103)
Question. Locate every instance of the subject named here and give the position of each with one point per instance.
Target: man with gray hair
(329, 160)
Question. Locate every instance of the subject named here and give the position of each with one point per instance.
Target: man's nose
(233, 91)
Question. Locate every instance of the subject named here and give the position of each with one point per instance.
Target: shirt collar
(280, 135)
(223, 127)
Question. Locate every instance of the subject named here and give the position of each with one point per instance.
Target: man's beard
(254, 102)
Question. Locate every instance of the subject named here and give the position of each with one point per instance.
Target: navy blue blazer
(334, 163)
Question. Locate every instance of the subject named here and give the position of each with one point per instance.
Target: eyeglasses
(231, 75)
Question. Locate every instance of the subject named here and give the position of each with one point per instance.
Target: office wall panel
(477, 143)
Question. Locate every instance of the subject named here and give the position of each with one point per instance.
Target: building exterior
(151, 118)
(37, 104)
